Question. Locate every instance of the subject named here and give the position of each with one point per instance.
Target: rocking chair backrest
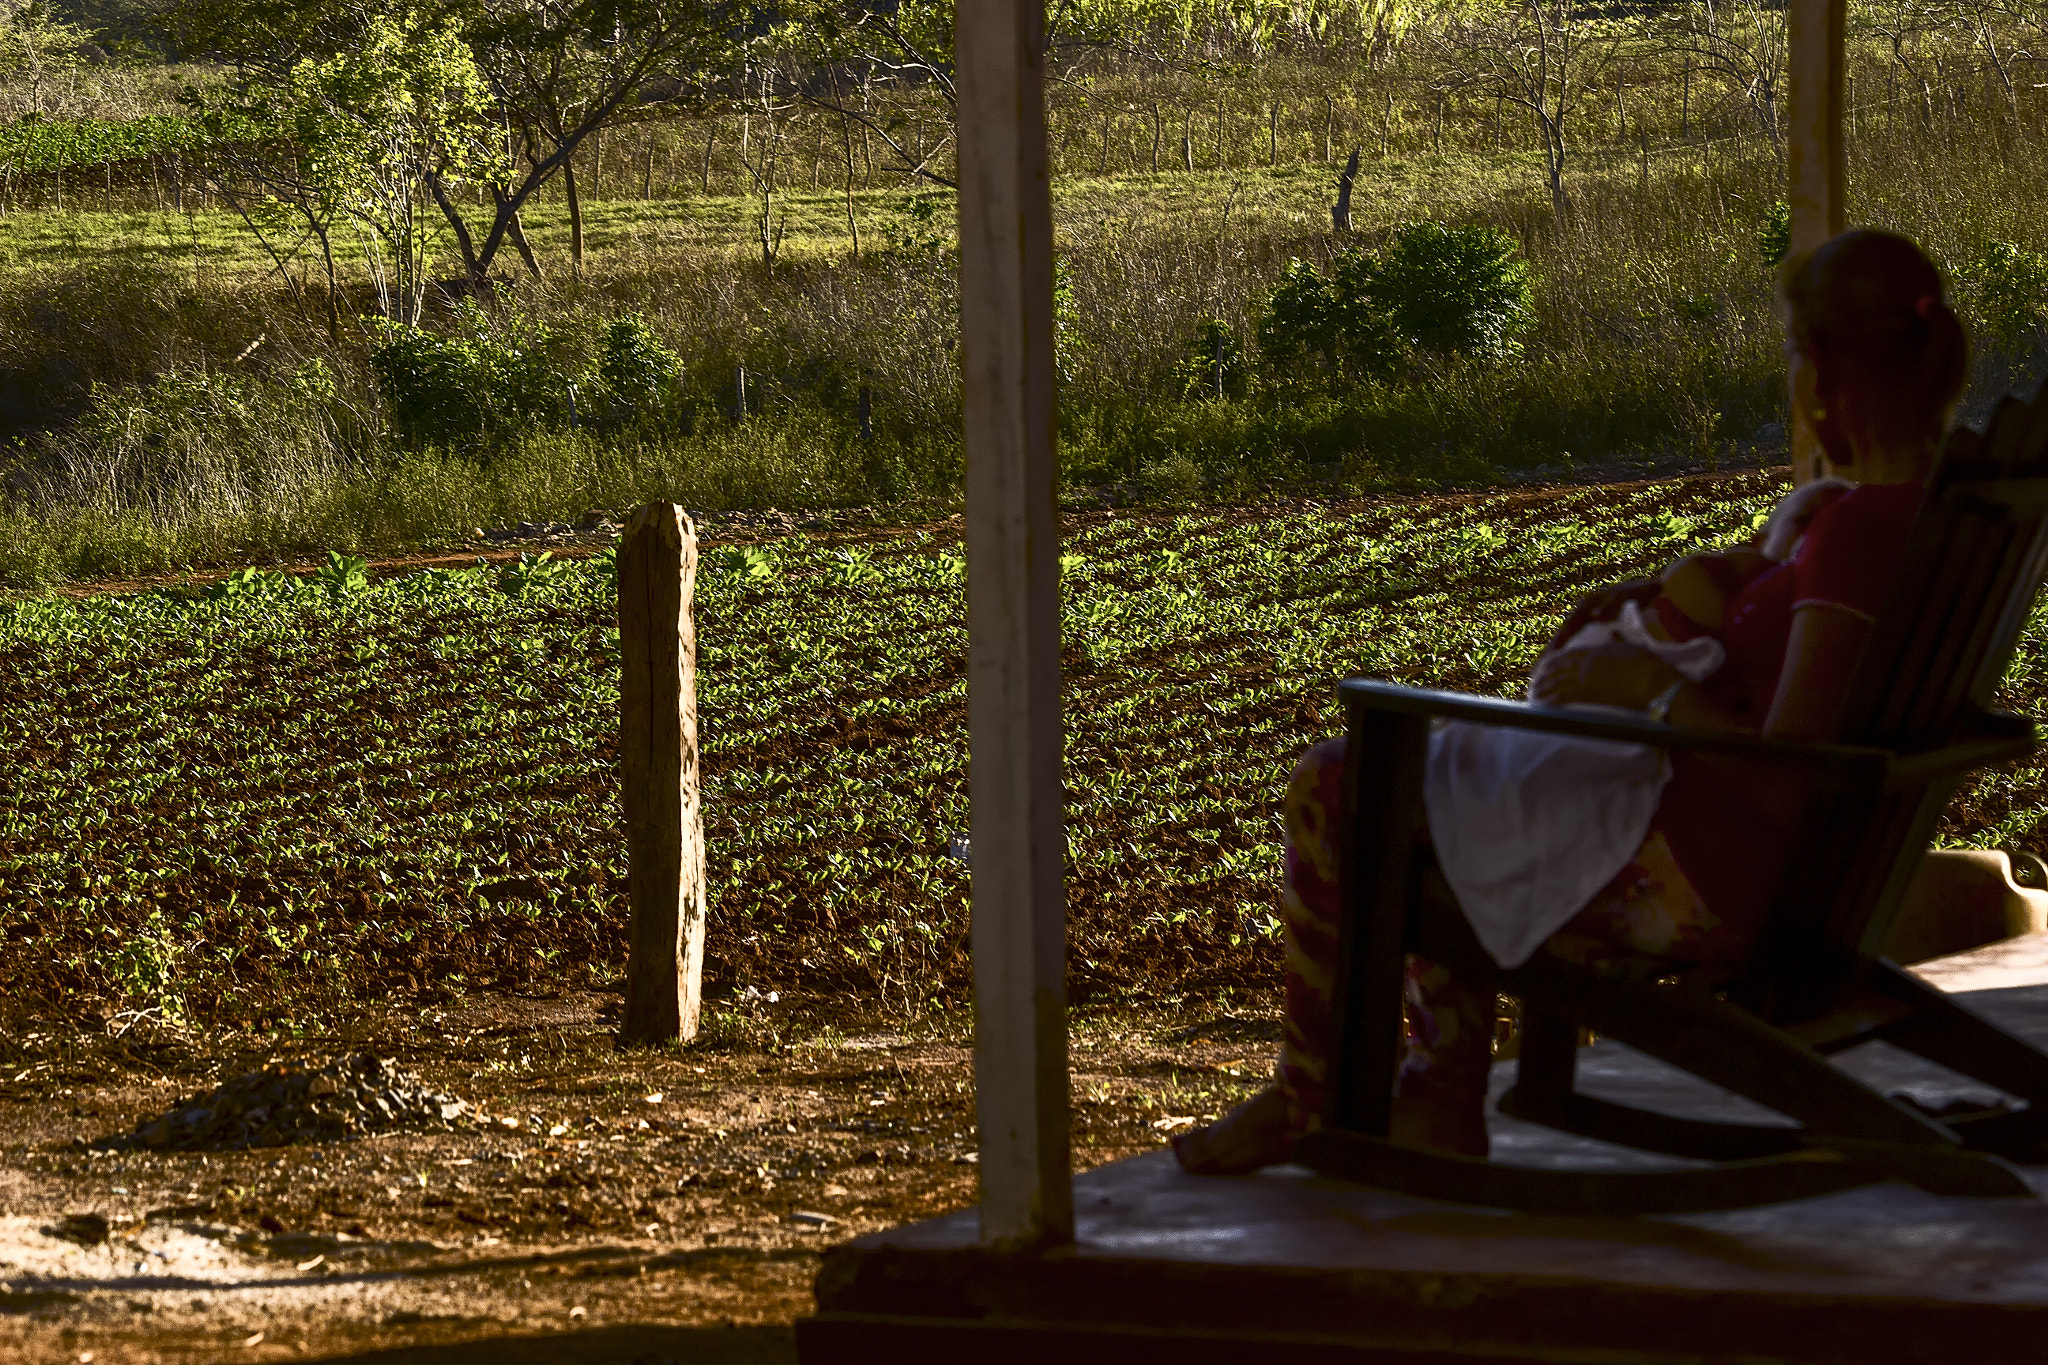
(1971, 569)
(1970, 573)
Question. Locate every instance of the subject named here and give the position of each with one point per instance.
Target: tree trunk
(463, 241)
(846, 144)
(1340, 212)
(517, 232)
(575, 215)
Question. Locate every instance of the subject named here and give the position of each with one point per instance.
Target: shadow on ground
(633, 1345)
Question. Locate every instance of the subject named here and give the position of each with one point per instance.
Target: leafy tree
(362, 112)
(560, 72)
(376, 125)
(39, 55)
(539, 79)
(1455, 290)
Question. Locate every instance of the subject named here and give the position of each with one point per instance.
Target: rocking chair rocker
(1918, 720)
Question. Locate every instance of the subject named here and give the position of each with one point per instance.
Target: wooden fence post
(658, 767)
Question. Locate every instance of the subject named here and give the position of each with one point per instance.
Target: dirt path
(618, 1205)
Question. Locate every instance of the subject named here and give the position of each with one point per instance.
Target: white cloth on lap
(1527, 825)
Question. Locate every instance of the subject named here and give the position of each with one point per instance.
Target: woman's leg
(1648, 918)
(1441, 1097)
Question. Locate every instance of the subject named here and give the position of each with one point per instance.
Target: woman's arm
(1701, 585)
(1821, 656)
(1623, 675)
(1820, 662)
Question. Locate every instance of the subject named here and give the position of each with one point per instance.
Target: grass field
(1287, 199)
(265, 808)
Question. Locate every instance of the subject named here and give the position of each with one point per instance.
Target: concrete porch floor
(1285, 1265)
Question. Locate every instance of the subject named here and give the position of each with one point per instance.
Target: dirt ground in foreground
(638, 1206)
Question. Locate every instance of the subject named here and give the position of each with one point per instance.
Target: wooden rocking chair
(1918, 720)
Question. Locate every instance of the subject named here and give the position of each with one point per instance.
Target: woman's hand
(1613, 674)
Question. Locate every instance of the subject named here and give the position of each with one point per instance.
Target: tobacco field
(263, 803)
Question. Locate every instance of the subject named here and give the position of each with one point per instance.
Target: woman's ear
(1832, 413)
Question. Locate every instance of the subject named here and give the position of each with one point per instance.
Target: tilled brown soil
(649, 1205)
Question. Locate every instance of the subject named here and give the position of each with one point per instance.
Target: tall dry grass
(143, 446)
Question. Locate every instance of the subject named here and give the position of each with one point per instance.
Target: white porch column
(1013, 623)
(1814, 155)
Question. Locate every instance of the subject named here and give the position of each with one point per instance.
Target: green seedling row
(266, 802)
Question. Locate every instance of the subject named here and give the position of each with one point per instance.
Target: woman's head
(1884, 355)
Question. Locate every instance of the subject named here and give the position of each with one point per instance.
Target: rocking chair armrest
(1841, 764)
(1996, 737)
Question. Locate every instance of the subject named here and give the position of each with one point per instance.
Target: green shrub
(1455, 290)
(441, 390)
(430, 386)
(1301, 316)
(1774, 238)
(2009, 286)
(635, 369)
(1334, 321)
(1451, 290)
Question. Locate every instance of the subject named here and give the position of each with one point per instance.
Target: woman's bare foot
(1254, 1134)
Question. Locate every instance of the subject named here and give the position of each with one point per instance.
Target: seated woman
(1877, 362)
